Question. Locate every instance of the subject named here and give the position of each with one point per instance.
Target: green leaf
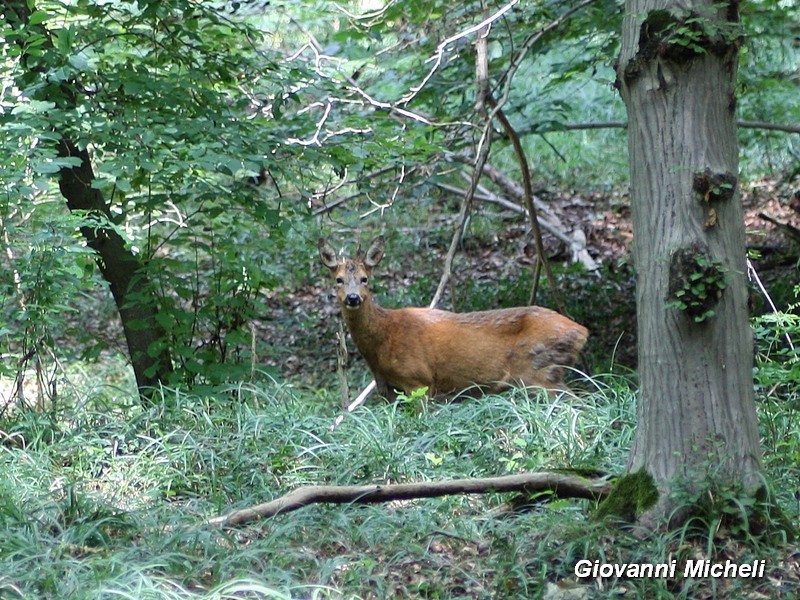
(37, 17)
(80, 62)
(46, 167)
(65, 39)
(33, 107)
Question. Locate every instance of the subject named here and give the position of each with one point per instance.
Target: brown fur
(410, 348)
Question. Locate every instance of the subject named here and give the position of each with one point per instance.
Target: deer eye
(340, 281)
(364, 280)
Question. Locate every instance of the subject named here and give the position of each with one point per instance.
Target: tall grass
(107, 503)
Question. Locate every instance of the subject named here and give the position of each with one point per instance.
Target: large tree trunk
(696, 415)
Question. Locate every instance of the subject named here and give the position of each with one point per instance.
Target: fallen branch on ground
(564, 486)
(575, 241)
(787, 228)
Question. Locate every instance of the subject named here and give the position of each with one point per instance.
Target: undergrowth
(103, 500)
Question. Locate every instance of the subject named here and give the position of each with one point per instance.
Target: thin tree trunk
(696, 415)
(121, 269)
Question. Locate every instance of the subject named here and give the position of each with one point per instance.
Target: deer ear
(374, 252)
(327, 254)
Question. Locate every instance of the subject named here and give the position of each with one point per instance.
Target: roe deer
(410, 348)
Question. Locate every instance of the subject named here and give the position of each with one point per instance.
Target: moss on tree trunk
(631, 496)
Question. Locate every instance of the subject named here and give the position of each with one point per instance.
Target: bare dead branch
(754, 277)
(485, 143)
(482, 27)
(329, 206)
(575, 240)
(341, 362)
(787, 229)
(576, 244)
(360, 399)
(482, 67)
(564, 486)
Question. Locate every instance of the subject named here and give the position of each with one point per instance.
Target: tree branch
(576, 240)
(564, 486)
(770, 126)
(481, 28)
(530, 130)
(519, 152)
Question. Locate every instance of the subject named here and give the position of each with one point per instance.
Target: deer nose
(352, 300)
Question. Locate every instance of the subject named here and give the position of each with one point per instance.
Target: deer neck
(366, 324)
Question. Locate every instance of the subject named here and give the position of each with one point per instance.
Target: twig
(440, 49)
(519, 152)
(382, 207)
(341, 362)
(327, 207)
(461, 221)
(753, 275)
(564, 486)
(355, 403)
(316, 48)
(253, 356)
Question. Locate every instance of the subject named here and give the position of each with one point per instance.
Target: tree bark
(127, 279)
(696, 414)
